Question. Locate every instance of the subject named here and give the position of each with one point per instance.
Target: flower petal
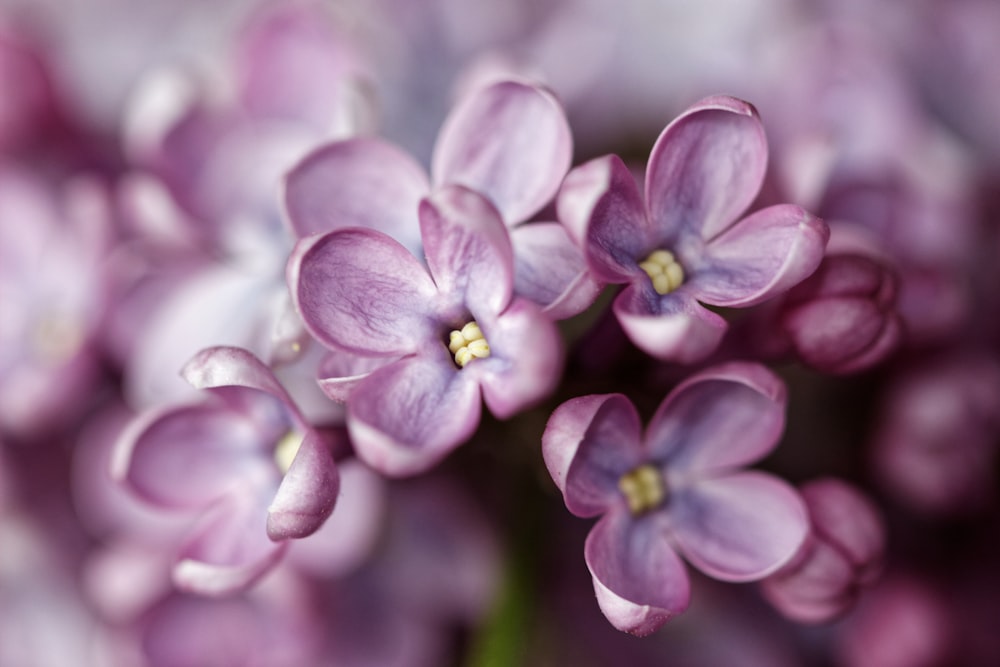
(760, 256)
(588, 443)
(705, 168)
(341, 371)
(509, 141)
(602, 210)
(676, 328)
(408, 415)
(739, 527)
(467, 248)
(360, 290)
(362, 182)
(550, 270)
(724, 417)
(639, 580)
(223, 366)
(309, 490)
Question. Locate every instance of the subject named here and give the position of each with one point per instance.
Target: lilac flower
(686, 246)
(678, 487)
(244, 461)
(841, 557)
(448, 333)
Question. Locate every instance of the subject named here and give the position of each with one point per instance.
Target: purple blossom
(677, 487)
(450, 332)
(686, 245)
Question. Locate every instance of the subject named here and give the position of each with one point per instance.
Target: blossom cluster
(384, 333)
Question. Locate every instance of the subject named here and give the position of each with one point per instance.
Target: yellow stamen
(286, 449)
(643, 487)
(663, 270)
(468, 344)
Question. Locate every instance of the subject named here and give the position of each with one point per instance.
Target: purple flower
(448, 333)
(686, 246)
(244, 461)
(678, 487)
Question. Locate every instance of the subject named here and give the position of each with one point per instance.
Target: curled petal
(760, 256)
(550, 270)
(358, 289)
(341, 371)
(509, 141)
(705, 168)
(639, 580)
(738, 527)
(308, 492)
(676, 328)
(588, 443)
(223, 366)
(724, 417)
(408, 415)
(362, 182)
(602, 210)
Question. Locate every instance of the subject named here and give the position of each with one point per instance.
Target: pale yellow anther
(468, 344)
(663, 270)
(644, 488)
(286, 449)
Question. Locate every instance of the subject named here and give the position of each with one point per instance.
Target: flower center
(662, 268)
(286, 449)
(643, 488)
(468, 344)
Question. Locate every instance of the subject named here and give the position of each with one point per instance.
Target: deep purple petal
(724, 417)
(362, 182)
(705, 169)
(673, 328)
(760, 256)
(360, 290)
(815, 590)
(601, 208)
(738, 527)
(550, 270)
(309, 490)
(468, 249)
(408, 415)
(639, 580)
(509, 141)
(844, 517)
(588, 444)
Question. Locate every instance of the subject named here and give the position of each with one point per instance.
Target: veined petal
(705, 168)
(738, 527)
(360, 290)
(602, 210)
(341, 371)
(309, 490)
(724, 417)
(468, 249)
(408, 415)
(525, 362)
(509, 141)
(760, 256)
(550, 270)
(588, 443)
(675, 328)
(361, 182)
(639, 580)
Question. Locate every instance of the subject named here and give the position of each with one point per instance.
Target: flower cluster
(311, 311)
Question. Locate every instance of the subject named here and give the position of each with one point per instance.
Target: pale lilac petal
(229, 549)
(223, 366)
(705, 169)
(675, 328)
(738, 527)
(407, 416)
(509, 141)
(341, 371)
(602, 210)
(550, 270)
(525, 362)
(725, 417)
(468, 248)
(639, 580)
(358, 289)
(308, 491)
(362, 182)
(588, 444)
(760, 256)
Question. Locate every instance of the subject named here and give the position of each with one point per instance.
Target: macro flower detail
(677, 487)
(685, 245)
